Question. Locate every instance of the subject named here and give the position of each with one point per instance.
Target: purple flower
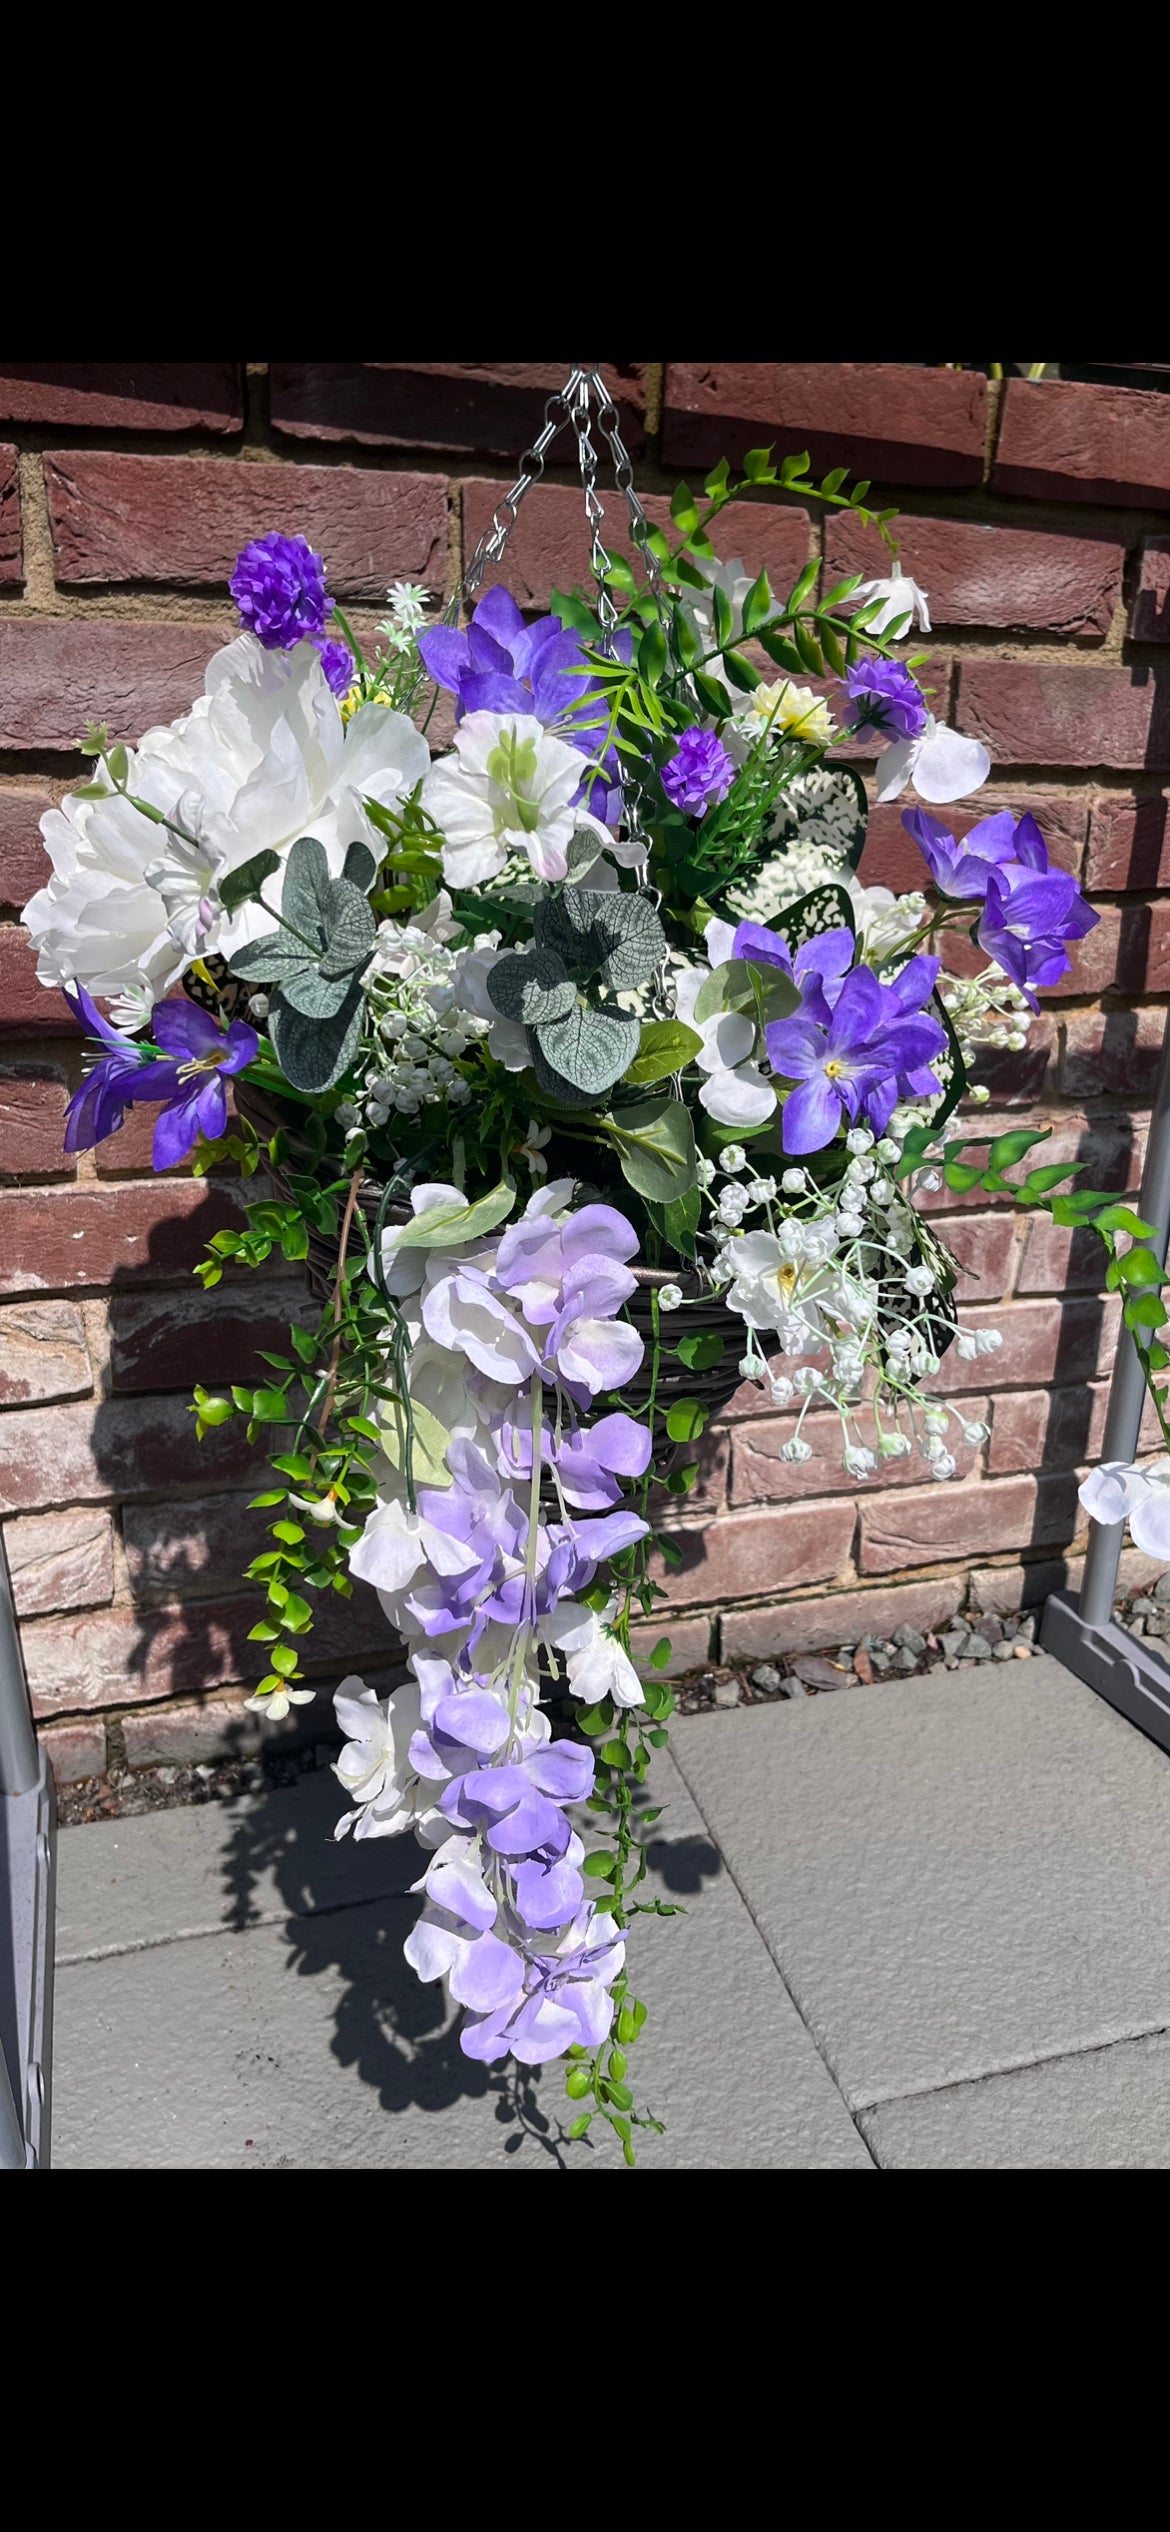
(590, 1461)
(848, 1065)
(279, 587)
(887, 701)
(502, 664)
(548, 1304)
(699, 772)
(337, 661)
(97, 1109)
(822, 961)
(565, 2001)
(1029, 911)
(190, 1076)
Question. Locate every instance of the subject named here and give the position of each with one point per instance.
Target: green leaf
(803, 588)
(603, 932)
(740, 673)
(685, 1420)
(655, 1144)
(350, 929)
(791, 467)
(429, 1455)
(237, 887)
(683, 508)
(1145, 1310)
(270, 1406)
(724, 619)
(652, 653)
(586, 1052)
(700, 1352)
(713, 697)
(599, 1866)
(757, 465)
(261, 1503)
(284, 1660)
(780, 649)
(532, 985)
(307, 882)
(1007, 1149)
(683, 1481)
(664, 1047)
(961, 1174)
(448, 1225)
(289, 1532)
(313, 1054)
(360, 867)
(757, 605)
(296, 1613)
(308, 990)
(717, 480)
(658, 1661)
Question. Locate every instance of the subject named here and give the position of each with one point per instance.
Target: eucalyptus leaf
(602, 931)
(350, 929)
(306, 890)
(531, 986)
(586, 1051)
(655, 1144)
(360, 867)
(269, 960)
(309, 990)
(313, 1054)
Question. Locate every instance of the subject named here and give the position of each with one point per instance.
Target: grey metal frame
(28, 1855)
(1129, 1673)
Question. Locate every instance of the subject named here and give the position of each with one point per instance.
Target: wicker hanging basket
(706, 1313)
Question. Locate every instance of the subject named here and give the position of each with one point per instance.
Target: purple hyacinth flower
(699, 773)
(97, 1109)
(848, 1065)
(279, 587)
(190, 1076)
(337, 661)
(887, 702)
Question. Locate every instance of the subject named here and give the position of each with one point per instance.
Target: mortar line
(793, 1998)
(1055, 2056)
(211, 1933)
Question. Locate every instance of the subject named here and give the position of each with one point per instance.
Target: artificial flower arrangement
(590, 1080)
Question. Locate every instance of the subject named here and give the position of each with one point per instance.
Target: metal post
(1128, 1672)
(27, 1872)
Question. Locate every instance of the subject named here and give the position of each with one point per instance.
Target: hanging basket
(706, 1312)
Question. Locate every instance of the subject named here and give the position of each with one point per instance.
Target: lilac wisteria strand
(511, 1339)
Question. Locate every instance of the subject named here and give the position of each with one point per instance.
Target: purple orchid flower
(98, 1108)
(502, 664)
(849, 1065)
(190, 1076)
(1029, 911)
(887, 702)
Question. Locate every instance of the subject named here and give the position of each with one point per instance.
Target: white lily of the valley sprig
(1119, 1491)
(940, 762)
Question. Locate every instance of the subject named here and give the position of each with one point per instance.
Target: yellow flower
(793, 712)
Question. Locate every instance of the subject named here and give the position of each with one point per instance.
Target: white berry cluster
(418, 1030)
(987, 1010)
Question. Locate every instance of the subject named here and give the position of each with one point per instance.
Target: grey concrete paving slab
(232, 1997)
(1106, 2110)
(957, 1875)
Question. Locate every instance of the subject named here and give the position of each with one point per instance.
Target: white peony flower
(262, 757)
(903, 602)
(507, 787)
(941, 764)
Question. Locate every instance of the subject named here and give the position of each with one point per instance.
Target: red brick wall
(1038, 516)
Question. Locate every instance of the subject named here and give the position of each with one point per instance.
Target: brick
(28, 1008)
(170, 1340)
(33, 1098)
(944, 1524)
(496, 405)
(1062, 440)
(120, 1449)
(75, 1750)
(56, 676)
(60, 1560)
(983, 1246)
(115, 395)
(221, 1726)
(182, 520)
(747, 1554)
(999, 1590)
(1013, 579)
(1055, 1428)
(1129, 843)
(759, 1475)
(130, 1150)
(806, 1626)
(177, 1551)
(59, 1237)
(24, 863)
(1016, 1079)
(891, 858)
(1046, 713)
(1060, 1261)
(709, 1495)
(1149, 614)
(880, 418)
(11, 552)
(43, 1353)
(1112, 1054)
(549, 546)
(1042, 1341)
(130, 1656)
(689, 1645)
